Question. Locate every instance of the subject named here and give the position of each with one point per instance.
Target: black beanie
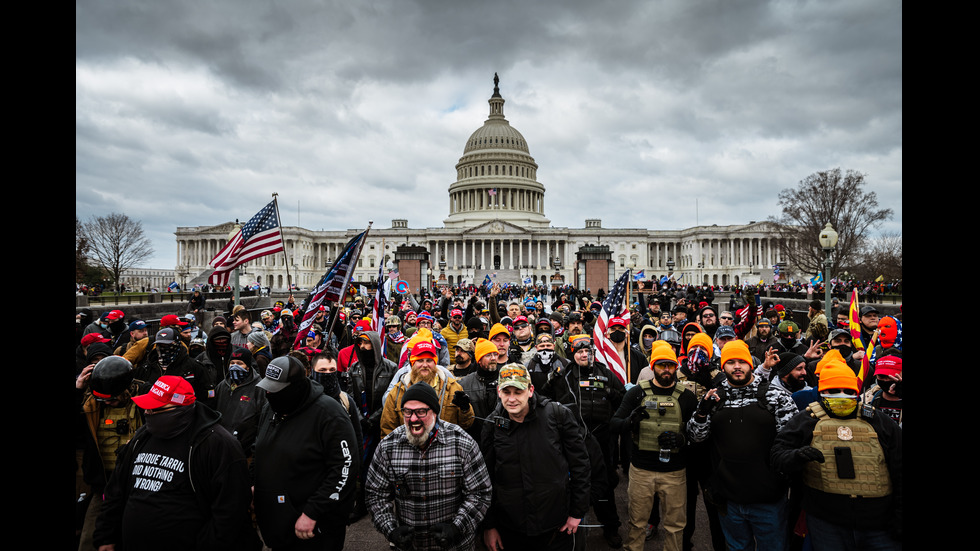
(787, 363)
(422, 392)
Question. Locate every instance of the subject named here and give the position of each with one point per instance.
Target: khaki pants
(672, 489)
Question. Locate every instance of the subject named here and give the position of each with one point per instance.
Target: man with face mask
(169, 356)
(285, 336)
(441, 485)
(751, 498)
(324, 371)
(523, 339)
(885, 395)
(850, 463)
(545, 365)
(306, 464)
(181, 483)
(217, 353)
(239, 399)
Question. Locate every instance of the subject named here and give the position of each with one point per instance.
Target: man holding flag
(609, 350)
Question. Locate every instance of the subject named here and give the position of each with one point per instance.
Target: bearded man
(424, 368)
(437, 474)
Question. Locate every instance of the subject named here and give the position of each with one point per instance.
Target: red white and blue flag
(259, 237)
(331, 285)
(614, 306)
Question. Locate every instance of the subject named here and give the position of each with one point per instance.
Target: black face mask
(288, 399)
(329, 381)
(287, 322)
(170, 423)
(617, 336)
(844, 349)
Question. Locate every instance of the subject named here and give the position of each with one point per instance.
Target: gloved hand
(809, 453)
(461, 400)
(639, 414)
(670, 440)
(707, 405)
(402, 537)
(445, 533)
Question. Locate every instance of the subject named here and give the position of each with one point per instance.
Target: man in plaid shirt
(435, 473)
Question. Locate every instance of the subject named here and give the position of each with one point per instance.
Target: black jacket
(218, 475)
(304, 462)
(540, 469)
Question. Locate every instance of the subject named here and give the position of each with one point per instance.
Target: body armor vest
(115, 428)
(871, 477)
(651, 429)
(697, 389)
(594, 391)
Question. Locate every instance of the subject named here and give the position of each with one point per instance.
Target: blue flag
(639, 275)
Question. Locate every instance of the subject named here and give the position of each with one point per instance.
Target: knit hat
(482, 348)
(242, 354)
(837, 374)
(497, 329)
(259, 339)
(422, 392)
(787, 363)
(736, 350)
(888, 365)
(219, 319)
(887, 331)
(829, 356)
(661, 351)
(702, 340)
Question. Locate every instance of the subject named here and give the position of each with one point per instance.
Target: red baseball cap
(92, 338)
(622, 322)
(424, 348)
(519, 319)
(888, 365)
(171, 319)
(115, 315)
(456, 312)
(169, 389)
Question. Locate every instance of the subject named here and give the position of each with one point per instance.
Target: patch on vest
(844, 433)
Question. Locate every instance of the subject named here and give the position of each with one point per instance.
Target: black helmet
(111, 377)
(672, 337)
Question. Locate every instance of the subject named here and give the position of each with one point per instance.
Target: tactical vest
(107, 432)
(697, 389)
(871, 477)
(594, 391)
(651, 429)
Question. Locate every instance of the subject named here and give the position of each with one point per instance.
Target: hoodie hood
(691, 326)
(647, 329)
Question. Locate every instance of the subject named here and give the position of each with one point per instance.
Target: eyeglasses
(729, 318)
(419, 413)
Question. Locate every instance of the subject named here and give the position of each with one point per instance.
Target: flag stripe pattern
(258, 237)
(330, 287)
(613, 306)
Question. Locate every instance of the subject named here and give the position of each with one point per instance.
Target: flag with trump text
(331, 285)
(613, 306)
(259, 237)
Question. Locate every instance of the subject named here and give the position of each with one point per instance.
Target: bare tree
(827, 196)
(118, 243)
(81, 250)
(882, 257)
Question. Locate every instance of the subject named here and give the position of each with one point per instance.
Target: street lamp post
(828, 240)
(231, 235)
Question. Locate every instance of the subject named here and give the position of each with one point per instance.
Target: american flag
(612, 307)
(492, 191)
(258, 237)
(380, 305)
(331, 285)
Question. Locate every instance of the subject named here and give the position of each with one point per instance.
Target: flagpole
(629, 295)
(350, 273)
(289, 283)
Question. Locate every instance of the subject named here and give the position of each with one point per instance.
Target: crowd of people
(480, 417)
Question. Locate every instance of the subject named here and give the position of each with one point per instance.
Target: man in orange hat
(850, 461)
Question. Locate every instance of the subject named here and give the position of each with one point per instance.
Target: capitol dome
(496, 178)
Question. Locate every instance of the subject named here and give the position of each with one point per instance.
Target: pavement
(363, 536)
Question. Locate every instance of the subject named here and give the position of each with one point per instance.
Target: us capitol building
(497, 224)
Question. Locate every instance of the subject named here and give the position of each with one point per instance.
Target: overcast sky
(646, 114)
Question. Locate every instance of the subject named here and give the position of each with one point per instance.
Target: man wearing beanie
(655, 413)
(750, 497)
(481, 385)
(454, 405)
(440, 481)
(849, 459)
(306, 462)
(786, 371)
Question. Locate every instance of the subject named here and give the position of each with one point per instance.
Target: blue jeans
(748, 526)
(832, 537)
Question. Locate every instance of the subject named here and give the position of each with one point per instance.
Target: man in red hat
(150, 500)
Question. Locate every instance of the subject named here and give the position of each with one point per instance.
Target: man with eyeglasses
(655, 412)
(437, 475)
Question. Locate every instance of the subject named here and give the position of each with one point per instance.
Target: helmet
(671, 336)
(111, 377)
